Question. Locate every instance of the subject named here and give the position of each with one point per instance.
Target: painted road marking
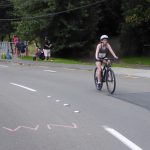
(122, 138)
(57, 101)
(76, 111)
(24, 87)
(132, 77)
(74, 126)
(36, 128)
(66, 105)
(49, 96)
(3, 66)
(19, 127)
(52, 71)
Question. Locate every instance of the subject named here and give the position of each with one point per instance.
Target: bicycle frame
(105, 76)
(105, 68)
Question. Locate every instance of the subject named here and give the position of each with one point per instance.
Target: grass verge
(124, 62)
(137, 60)
(61, 60)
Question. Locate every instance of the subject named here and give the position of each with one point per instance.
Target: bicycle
(107, 75)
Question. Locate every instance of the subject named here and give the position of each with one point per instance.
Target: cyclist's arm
(111, 51)
(97, 51)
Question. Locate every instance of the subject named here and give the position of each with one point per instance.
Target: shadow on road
(140, 99)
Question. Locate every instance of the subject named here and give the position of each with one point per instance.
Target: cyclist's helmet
(104, 37)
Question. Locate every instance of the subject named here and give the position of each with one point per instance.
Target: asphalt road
(51, 107)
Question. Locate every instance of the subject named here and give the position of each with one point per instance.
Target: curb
(145, 73)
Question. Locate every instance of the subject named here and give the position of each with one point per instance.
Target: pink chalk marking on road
(74, 126)
(19, 127)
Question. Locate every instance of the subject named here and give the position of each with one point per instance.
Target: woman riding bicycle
(102, 50)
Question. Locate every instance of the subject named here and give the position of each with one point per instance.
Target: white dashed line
(52, 71)
(66, 105)
(57, 101)
(24, 87)
(123, 139)
(76, 111)
(3, 66)
(49, 96)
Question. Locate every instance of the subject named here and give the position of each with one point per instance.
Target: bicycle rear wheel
(96, 80)
(110, 81)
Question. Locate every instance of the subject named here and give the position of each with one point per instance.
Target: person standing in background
(15, 41)
(47, 46)
(27, 50)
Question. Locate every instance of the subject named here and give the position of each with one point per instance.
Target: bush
(135, 28)
(3, 56)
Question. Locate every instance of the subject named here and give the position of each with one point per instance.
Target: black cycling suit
(103, 52)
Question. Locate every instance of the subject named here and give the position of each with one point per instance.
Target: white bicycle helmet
(104, 37)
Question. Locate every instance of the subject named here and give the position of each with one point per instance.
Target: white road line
(3, 66)
(49, 96)
(57, 101)
(24, 87)
(52, 71)
(74, 126)
(123, 139)
(76, 111)
(66, 105)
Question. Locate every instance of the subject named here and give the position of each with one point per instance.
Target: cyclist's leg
(99, 69)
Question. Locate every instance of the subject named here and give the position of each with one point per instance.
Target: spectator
(39, 54)
(47, 46)
(21, 48)
(35, 57)
(27, 50)
(15, 41)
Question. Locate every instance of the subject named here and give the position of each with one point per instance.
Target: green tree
(75, 31)
(29, 25)
(110, 17)
(6, 11)
(72, 32)
(136, 26)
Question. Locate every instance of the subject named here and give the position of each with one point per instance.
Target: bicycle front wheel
(110, 81)
(99, 88)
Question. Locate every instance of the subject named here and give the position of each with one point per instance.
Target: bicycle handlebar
(107, 59)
